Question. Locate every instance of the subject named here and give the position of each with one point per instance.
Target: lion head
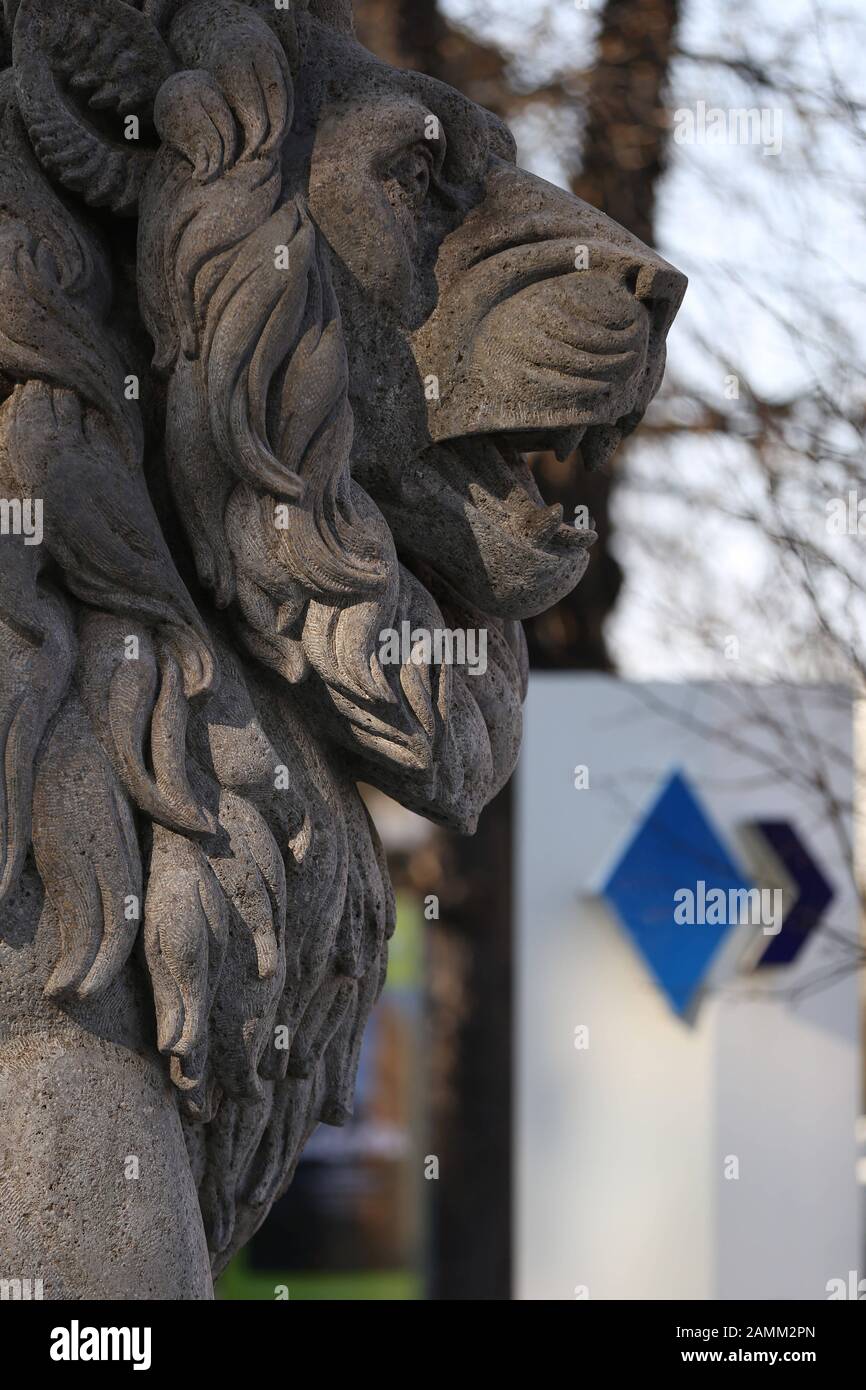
(280, 326)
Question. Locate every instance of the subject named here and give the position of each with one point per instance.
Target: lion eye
(414, 171)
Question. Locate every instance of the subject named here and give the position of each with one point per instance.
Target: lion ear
(86, 75)
(238, 72)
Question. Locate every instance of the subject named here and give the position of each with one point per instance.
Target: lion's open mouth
(469, 511)
(493, 473)
(489, 480)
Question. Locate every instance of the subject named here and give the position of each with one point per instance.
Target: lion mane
(189, 682)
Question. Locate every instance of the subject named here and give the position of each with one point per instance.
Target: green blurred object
(406, 952)
(239, 1282)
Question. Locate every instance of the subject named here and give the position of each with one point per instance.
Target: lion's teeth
(600, 443)
(544, 522)
(566, 441)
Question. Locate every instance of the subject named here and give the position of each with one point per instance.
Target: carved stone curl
(278, 324)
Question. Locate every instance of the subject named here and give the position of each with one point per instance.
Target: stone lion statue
(278, 325)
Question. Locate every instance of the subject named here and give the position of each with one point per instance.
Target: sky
(774, 245)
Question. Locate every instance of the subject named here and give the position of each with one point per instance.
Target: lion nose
(521, 210)
(659, 287)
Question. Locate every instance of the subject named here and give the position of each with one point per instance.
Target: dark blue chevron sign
(814, 893)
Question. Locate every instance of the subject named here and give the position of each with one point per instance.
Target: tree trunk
(623, 160)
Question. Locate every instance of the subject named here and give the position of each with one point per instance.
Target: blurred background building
(721, 557)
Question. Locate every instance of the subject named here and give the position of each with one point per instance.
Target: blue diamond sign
(674, 851)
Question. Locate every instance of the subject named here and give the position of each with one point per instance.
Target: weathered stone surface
(277, 324)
